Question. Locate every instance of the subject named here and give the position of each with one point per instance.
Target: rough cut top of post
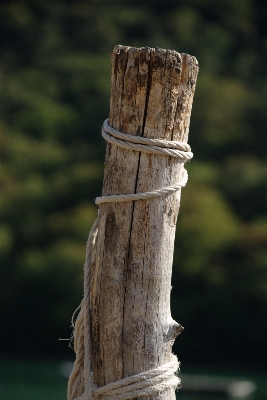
(157, 85)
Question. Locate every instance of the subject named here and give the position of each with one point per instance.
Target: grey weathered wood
(132, 329)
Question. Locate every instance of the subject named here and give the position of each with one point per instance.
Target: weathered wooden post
(131, 326)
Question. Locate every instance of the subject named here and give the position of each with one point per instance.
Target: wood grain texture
(132, 329)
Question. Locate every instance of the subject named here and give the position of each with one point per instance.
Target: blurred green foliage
(55, 74)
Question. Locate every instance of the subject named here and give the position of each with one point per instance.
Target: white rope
(86, 312)
(81, 378)
(139, 139)
(145, 195)
(154, 146)
(150, 382)
(154, 381)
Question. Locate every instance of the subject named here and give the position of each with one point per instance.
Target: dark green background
(55, 95)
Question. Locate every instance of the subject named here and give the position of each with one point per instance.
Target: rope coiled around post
(80, 386)
(153, 146)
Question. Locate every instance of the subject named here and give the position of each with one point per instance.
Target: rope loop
(154, 146)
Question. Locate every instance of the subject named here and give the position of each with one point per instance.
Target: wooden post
(132, 329)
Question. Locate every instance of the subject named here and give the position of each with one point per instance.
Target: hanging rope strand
(81, 377)
(87, 313)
